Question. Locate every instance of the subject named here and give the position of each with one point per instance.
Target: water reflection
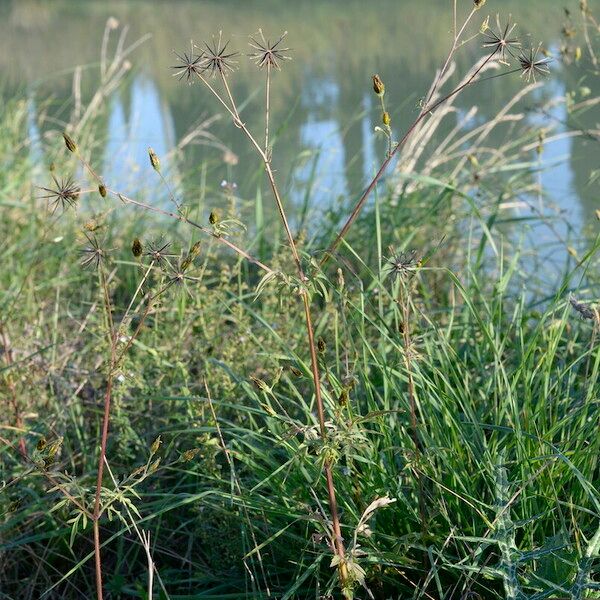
(326, 149)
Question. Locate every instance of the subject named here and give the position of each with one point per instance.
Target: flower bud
(386, 119)
(378, 85)
(102, 190)
(136, 247)
(155, 444)
(154, 161)
(321, 345)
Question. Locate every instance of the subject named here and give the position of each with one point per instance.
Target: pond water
(323, 110)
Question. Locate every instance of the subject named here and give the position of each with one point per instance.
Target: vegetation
(389, 402)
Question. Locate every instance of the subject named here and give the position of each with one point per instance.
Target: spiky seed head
(102, 190)
(268, 54)
(137, 248)
(386, 119)
(216, 59)
(378, 85)
(154, 160)
(69, 142)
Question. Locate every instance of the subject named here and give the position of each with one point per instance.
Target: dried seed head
(94, 254)
(216, 60)
(189, 65)
(402, 263)
(102, 190)
(268, 54)
(69, 143)
(532, 66)
(154, 161)
(378, 85)
(500, 41)
(584, 310)
(386, 119)
(65, 194)
(136, 247)
(157, 250)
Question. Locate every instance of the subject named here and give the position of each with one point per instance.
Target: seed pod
(378, 85)
(136, 247)
(296, 372)
(154, 161)
(213, 218)
(102, 190)
(386, 119)
(69, 143)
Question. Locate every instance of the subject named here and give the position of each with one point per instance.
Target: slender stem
(361, 201)
(267, 106)
(104, 437)
(264, 155)
(404, 299)
(457, 37)
(178, 217)
(59, 486)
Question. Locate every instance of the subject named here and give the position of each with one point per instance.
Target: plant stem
(104, 435)
(361, 201)
(264, 155)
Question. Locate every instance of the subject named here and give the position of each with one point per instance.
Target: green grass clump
(162, 423)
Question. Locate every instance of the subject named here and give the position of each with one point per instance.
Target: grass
(460, 401)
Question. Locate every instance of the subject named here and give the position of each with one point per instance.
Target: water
(323, 109)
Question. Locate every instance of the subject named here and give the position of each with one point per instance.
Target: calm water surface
(323, 110)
